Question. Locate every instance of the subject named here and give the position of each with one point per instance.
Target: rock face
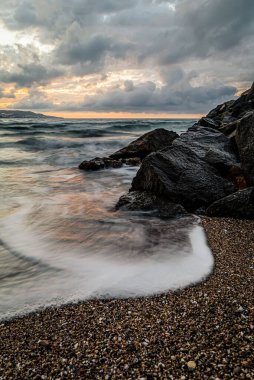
(238, 205)
(212, 146)
(135, 152)
(183, 177)
(149, 202)
(245, 143)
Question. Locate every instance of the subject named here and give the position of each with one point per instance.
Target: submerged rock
(100, 163)
(135, 152)
(149, 202)
(238, 205)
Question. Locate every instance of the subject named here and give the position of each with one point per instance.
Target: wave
(40, 144)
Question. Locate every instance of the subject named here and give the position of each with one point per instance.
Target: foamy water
(61, 239)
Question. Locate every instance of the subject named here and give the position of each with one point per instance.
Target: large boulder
(183, 177)
(212, 146)
(238, 205)
(245, 143)
(146, 144)
(136, 151)
(150, 203)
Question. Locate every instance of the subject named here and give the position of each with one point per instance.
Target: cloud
(147, 97)
(27, 75)
(6, 95)
(159, 53)
(35, 100)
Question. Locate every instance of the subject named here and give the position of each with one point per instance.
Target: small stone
(191, 365)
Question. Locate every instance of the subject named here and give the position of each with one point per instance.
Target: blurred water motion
(60, 238)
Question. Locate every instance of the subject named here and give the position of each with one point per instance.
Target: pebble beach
(202, 332)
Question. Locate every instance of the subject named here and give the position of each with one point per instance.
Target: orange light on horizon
(122, 115)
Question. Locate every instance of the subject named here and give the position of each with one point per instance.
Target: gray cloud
(35, 100)
(212, 41)
(179, 97)
(27, 75)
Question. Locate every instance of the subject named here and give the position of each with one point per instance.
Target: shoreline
(202, 331)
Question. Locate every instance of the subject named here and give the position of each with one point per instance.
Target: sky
(111, 58)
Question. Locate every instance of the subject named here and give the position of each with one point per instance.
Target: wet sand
(201, 332)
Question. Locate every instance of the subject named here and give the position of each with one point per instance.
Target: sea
(61, 239)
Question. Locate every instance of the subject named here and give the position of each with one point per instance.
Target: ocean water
(61, 239)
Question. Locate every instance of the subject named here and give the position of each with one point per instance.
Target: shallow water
(60, 238)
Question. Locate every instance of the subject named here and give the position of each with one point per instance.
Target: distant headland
(4, 114)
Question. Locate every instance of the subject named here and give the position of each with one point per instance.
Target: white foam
(101, 273)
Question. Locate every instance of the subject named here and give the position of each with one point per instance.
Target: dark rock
(183, 177)
(134, 152)
(95, 164)
(146, 144)
(149, 202)
(100, 163)
(208, 122)
(135, 161)
(212, 146)
(222, 109)
(245, 143)
(228, 114)
(237, 205)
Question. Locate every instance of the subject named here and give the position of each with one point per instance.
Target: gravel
(201, 332)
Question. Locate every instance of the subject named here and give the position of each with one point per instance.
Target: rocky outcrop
(150, 203)
(209, 169)
(238, 205)
(135, 152)
(203, 169)
(245, 143)
(225, 117)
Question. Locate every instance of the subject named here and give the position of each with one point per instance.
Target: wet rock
(237, 205)
(133, 154)
(245, 143)
(212, 146)
(135, 161)
(100, 163)
(225, 116)
(208, 122)
(148, 202)
(146, 144)
(183, 177)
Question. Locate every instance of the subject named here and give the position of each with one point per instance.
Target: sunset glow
(82, 59)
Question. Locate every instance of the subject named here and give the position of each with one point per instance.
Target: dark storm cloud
(29, 74)
(212, 41)
(90, 52)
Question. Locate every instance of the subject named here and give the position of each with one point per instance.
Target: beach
(201, 332)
